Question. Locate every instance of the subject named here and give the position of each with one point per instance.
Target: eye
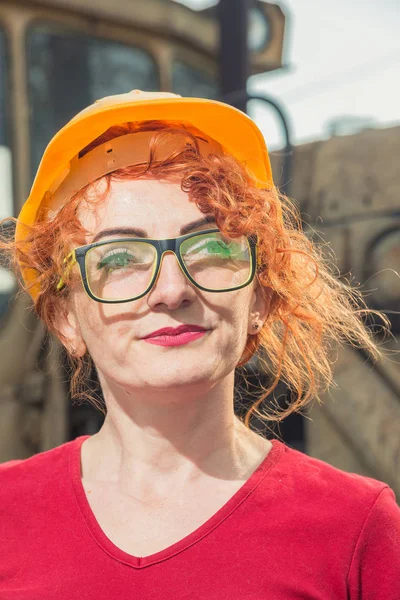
(117, 259)
(219, 247)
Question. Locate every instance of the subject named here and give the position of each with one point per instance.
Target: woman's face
(113, 333)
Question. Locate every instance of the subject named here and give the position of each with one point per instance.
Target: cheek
(112, 326)
(116, 326)
(233, 311)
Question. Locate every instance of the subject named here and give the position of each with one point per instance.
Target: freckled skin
(113, 333)
(170, 437)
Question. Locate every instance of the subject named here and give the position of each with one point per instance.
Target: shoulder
(322, 484)
(325, 504)
(30, 475)
(350, 521)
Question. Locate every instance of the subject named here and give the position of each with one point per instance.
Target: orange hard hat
(232, 129)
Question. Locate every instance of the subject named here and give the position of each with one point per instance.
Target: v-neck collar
(192, 538)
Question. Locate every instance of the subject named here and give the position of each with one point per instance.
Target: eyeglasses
(126, 269)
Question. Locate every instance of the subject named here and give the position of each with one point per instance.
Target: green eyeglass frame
(171, 245)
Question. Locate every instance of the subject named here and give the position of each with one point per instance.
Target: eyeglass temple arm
(69, 262)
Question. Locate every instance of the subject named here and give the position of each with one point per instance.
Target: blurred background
(321, 81)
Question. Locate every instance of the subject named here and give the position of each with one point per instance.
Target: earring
(256, 326)
(72, 352)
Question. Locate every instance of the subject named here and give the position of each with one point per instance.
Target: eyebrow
(141, 233)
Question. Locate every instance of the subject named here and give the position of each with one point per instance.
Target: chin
(184, 376)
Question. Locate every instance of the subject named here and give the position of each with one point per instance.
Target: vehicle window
(191, 81)
(7, 281)
(68, 70)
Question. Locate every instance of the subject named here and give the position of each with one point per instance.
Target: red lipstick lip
(174, 330)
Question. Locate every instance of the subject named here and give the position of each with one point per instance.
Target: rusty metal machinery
(348, 191)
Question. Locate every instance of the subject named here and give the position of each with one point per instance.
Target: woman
(155, 243)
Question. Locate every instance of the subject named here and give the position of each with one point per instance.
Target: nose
(171, 288)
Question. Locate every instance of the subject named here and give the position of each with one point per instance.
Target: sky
(343, 60)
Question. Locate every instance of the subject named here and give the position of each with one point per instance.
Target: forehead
(159, 207)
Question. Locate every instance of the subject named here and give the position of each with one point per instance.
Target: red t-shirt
(298, 528)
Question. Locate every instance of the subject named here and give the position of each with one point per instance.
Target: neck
(175, 436)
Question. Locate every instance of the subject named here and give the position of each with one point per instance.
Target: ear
(259, 307)
(68, 325)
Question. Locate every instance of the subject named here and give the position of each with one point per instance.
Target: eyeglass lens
(119, 270)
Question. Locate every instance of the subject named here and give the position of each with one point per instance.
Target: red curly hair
(311, 310)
